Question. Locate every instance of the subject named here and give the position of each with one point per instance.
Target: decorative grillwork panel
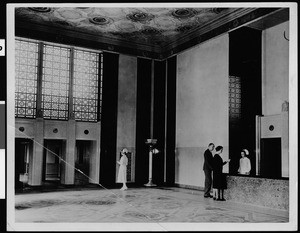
(55, 85)
(234, 97)
(26, 62)
(86, 79)
(55, 77)
(100, 85)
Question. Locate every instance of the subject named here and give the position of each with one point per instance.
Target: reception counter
(271, 193)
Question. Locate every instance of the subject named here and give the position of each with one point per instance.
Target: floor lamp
(152, 150)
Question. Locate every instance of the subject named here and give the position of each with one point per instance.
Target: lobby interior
(92, 80)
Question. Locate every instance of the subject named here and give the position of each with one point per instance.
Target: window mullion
(71, 75)
(100, 70)
(39, 112)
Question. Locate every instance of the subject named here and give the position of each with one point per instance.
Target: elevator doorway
(82, 162)
(52, 160)
(270, 158)
(23, 150)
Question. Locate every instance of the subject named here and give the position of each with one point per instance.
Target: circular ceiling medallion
(170, 33)
(217, 10)
(184, 13)
(150, 31)
(185, 28)
(140, 17)
(40, 9)
(100, 20)
(62, 23)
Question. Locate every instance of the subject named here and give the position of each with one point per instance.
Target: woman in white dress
(245, 164)
(122, 175)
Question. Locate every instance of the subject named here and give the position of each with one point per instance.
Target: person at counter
(245, 164)
(219, 178)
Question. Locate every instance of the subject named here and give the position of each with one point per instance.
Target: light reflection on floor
(144, 205)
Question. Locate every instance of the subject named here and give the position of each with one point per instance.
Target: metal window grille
(26, 62)
(234, 98)
(55, 82)
(55, 78)
(85, 85)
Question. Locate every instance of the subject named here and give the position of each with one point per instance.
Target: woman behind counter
(245, 164)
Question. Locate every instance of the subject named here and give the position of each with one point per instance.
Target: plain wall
(275, 76)
(275, 82)
(201, 107)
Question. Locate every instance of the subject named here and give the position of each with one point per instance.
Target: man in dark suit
(207, 168)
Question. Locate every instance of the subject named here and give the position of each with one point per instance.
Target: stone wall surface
(269, 193)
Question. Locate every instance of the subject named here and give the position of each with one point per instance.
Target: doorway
(82, 162)
(270, 166)
(23, 149)
(52, 160)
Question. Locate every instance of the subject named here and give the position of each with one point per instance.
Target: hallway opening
(53, 153)
(23, 149)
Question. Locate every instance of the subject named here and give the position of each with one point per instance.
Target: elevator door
(52, 160)
(22, 152)
(82, 162)
(270, 157)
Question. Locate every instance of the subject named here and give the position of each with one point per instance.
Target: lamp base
(150, 184)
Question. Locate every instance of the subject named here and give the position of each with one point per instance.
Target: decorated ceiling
(150, 29)
(152, 26)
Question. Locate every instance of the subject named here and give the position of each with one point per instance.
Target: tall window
(234, 98)
(26, 58)
(86, 66)
(56, 67)
(55, 78)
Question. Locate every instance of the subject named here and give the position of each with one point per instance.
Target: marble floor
(137, 205)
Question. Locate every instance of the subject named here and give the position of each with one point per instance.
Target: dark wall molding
(159, 120)
(205, 34)
(245, 62)
(171, 70)
(109, 119)
(143, 119)
(57, 35)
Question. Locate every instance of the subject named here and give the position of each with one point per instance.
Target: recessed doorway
(52, 160)
(270, 166)
(82, 161)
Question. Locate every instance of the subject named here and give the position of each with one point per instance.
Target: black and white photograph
(152, 116)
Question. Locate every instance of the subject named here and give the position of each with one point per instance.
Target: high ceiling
(152, 30)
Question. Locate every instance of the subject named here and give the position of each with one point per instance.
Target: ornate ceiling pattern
(149, 32)
(151, 26)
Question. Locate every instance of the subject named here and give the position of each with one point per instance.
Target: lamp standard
(152, 150)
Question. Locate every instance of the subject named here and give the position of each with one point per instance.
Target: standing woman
(245, 164)
(219, 179)
(122, 175)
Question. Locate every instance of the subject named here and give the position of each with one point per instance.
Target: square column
(36, 158)
(69, 149)
(285, 144)
(94, 162)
